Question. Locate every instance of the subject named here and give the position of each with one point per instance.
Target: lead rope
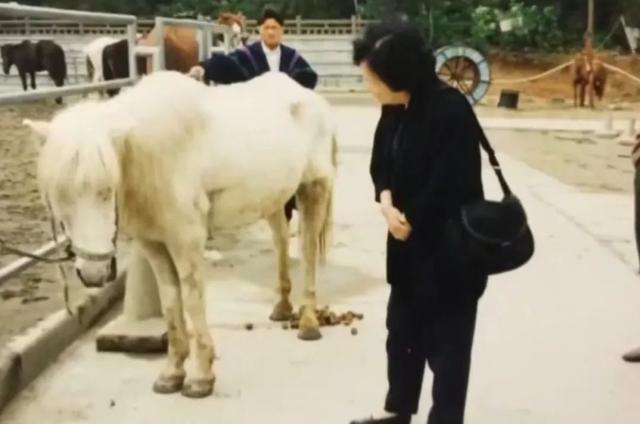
(61, 270)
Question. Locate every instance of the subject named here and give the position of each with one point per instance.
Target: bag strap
(493, 160)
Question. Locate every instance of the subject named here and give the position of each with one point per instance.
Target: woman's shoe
(632, 356)
(385, 419)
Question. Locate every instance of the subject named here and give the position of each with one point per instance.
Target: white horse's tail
(324, 239)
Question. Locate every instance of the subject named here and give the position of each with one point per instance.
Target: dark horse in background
(29, 58)
(115, 63)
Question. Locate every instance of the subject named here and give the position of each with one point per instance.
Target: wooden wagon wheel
(465, 69)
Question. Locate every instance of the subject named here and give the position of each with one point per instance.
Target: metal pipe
(132, 30)
(190, 23)
(202, 45)
(20, 265)
(22, 11)
(208, 43)
(162, 62)
(152, 52)
(21, 97)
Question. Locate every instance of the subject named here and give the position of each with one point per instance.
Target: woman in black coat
(425, 165)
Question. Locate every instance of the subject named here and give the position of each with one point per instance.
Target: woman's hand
(399, 228)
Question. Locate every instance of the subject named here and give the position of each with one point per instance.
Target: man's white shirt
(273, 57)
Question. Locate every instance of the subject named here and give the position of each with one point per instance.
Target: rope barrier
(623, 72)
(560, 67)
(535, 77)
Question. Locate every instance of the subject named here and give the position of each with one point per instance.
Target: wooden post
(588, 40)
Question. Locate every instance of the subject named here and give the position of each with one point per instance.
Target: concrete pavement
(548, 341)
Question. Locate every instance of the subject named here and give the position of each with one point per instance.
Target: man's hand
(197, 73)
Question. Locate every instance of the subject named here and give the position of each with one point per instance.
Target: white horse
(169, 159)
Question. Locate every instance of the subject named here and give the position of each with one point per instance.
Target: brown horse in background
(589, 77)
(181, 54)
(180, 45)
(238, 24)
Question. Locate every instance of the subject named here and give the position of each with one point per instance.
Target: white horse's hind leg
(187, 253)
(280, 230)
(314, 207)
(172, 378)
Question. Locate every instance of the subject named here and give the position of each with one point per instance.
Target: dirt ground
(557, 88)
(36, 293)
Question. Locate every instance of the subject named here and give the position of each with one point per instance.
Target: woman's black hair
(271, 13)
(397, 52)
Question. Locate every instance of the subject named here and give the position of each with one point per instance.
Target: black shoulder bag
(491, 236)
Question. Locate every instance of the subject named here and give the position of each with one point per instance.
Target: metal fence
(15, 10)
(128, 21)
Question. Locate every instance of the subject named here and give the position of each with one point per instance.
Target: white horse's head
(78, 175)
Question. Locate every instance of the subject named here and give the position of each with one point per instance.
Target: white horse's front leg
(280, 230)
(187, 253)
(313, 202)
(172, 378)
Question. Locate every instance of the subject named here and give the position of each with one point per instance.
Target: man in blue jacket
(268, 54)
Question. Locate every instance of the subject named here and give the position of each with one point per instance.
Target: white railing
(62, 27)
(20, 265)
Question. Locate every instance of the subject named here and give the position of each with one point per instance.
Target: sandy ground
(588, 163)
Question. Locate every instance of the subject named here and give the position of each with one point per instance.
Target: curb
(29, 354)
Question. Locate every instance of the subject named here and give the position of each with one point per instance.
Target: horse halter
(74, 251)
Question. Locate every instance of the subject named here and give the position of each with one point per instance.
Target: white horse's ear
(39, 128)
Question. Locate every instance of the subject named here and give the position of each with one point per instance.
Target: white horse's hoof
(199, 388)
(283, 311)
(309, 334)
(213, 255)
(168, 385)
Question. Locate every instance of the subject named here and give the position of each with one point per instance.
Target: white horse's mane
(83, 154)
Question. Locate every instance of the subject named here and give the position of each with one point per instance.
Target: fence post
(27, 26)
(298, 25)
(354, 25)
(132, 30)
(75, 69)
(161, 50)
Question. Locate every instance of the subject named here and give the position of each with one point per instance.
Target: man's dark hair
(397, 52)
(271, 13)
